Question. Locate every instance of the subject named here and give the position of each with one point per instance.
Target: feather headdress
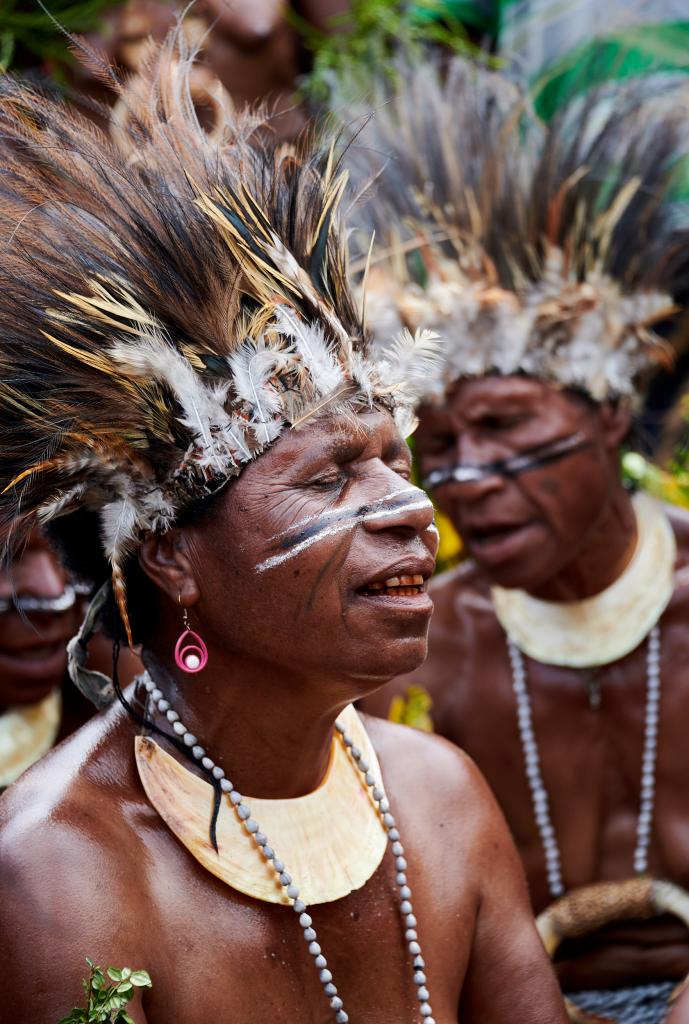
(171, 302)
(550, 251)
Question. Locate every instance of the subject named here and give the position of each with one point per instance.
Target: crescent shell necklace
(604, 628)
(351, 747)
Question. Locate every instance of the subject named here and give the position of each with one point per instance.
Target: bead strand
(650, 753)
(406, 907)
(539, 794)
(532, 763)
(243, 812)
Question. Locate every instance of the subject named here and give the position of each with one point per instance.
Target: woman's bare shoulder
(425, 766)
(65, 825)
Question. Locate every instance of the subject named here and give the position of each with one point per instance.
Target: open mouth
(396, 586)
(41, 652)
(494, 533)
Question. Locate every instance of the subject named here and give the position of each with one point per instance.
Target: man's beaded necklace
(539, 795)
(265, 848)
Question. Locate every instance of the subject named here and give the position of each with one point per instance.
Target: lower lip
(50, 662)
(501, 547)
(411, 604)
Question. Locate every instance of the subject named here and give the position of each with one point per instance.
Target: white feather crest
(203, 408)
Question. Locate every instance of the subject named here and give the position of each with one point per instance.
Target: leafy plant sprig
(105, 1002)
(367, 38)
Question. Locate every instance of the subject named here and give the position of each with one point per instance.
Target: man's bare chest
(589, 727)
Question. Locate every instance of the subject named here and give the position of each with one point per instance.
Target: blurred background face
(522, 528)
(33, 658)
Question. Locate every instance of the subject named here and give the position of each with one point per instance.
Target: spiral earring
(191, 654)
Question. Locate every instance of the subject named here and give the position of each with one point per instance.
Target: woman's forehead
(338, 431)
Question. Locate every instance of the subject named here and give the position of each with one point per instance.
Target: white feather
(409, 362)
(119, 526)
(363, 372)
(62, 503)
(253, 366)
(314, 348)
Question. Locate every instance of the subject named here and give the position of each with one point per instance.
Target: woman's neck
(270, 731)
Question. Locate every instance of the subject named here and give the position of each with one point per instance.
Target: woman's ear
(166, 560)
(616, 422)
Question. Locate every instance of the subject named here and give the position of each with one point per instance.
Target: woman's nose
(409, 511)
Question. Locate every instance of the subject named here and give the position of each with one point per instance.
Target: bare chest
(589, 727)
(216, 955)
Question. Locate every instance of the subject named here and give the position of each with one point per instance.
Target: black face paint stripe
(313, 529)
(540, 455)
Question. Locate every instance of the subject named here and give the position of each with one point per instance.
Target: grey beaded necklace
(532, 763)
(252, 827)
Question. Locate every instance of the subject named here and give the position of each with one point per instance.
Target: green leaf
(141, 979)
(104, 1000)
(98, 981)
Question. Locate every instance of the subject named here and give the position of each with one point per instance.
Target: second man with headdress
(549, 259)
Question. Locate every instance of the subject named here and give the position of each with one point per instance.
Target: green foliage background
(29, 37)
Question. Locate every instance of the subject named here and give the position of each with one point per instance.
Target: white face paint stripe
(340, 510)
(331, 531)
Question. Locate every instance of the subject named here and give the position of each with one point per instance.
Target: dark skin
(563, 531)
(288, 648)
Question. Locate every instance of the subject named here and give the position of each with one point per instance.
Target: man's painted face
(319, 555)
(38, 614)
(524, 471)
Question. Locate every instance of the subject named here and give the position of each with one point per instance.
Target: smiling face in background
(33, 656)
(523, 528)
(316, 558)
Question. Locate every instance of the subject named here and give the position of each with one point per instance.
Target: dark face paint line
(324, 571)
(537, 457)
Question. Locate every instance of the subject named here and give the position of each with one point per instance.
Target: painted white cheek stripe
(324, 516)
(350, 524)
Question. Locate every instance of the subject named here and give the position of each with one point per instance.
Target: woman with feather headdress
(547, 257)
(189, 403)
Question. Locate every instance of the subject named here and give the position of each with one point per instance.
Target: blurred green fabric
(561, 48)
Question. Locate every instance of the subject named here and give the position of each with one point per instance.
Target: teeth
(404, 584)
(404, 581)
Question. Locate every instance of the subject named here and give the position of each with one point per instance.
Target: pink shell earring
(191, 654)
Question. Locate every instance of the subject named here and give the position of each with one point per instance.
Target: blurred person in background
(39, 612)
(546, 256)
(254, 49)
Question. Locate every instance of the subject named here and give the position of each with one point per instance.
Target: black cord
(144, 721)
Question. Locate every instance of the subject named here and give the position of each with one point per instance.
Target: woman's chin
(400, 659)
